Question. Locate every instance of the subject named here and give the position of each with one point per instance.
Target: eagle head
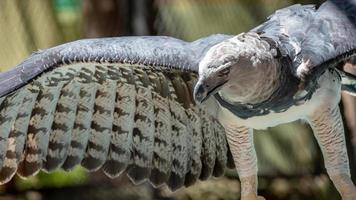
(233, 66)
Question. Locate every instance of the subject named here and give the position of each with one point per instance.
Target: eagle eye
(224, 72)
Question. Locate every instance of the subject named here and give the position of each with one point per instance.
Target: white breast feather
(328, 94)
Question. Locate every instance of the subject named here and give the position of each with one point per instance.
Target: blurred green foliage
(57, 179)
(61, 5)
(68, 14)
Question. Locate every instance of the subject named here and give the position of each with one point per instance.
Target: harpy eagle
(170, 111)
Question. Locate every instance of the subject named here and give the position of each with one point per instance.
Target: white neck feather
(252, 84)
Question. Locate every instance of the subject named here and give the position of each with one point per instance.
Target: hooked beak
(202, 90)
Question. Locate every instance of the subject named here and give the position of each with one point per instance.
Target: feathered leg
(241, 144)
(329, 131)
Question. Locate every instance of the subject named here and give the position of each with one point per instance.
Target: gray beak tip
(203, 91)
(200, 93)
(198, 98)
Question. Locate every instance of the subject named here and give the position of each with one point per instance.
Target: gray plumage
(305, 42)
(320, 36)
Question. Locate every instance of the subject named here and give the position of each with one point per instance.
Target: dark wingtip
(190, 179)
(113, 168)
(27, 169)
(91, 164)
(206, 172)
(6, 174)
(175, 182)
(138, 174)
(219, 169)
(70, 163)
(158, 178)
(51, 164)
(230, 160)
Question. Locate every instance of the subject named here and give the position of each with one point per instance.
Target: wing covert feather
(163, 51)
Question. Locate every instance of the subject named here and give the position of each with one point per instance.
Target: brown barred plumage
(61, 131)
(208, 154)
(38, 130)
(17, 137)
(117, 117)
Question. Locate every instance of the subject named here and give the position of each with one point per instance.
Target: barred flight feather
(17, 137)
(101, 126)
(162, 152)
(119, 117)
(195, 166)
(82, 123)
(208, 154)
(39, 127)
(193, 113)
(221, 150)
(8, 114)
(121, 137)
(181, 131)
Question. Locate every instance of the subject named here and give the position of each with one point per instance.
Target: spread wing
(116, 104)
(314, 39)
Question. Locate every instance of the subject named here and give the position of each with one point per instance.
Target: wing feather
(17, 137)
(143, 122)
(84, 116)
(101, 126)
(208, 154)
(117, 116)
(8, 114)
(143, 131)
(162, 152)
(195, 165)
(121, 139)
(38, 130)
(61, 131)
(221, 150)
(160, 51)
